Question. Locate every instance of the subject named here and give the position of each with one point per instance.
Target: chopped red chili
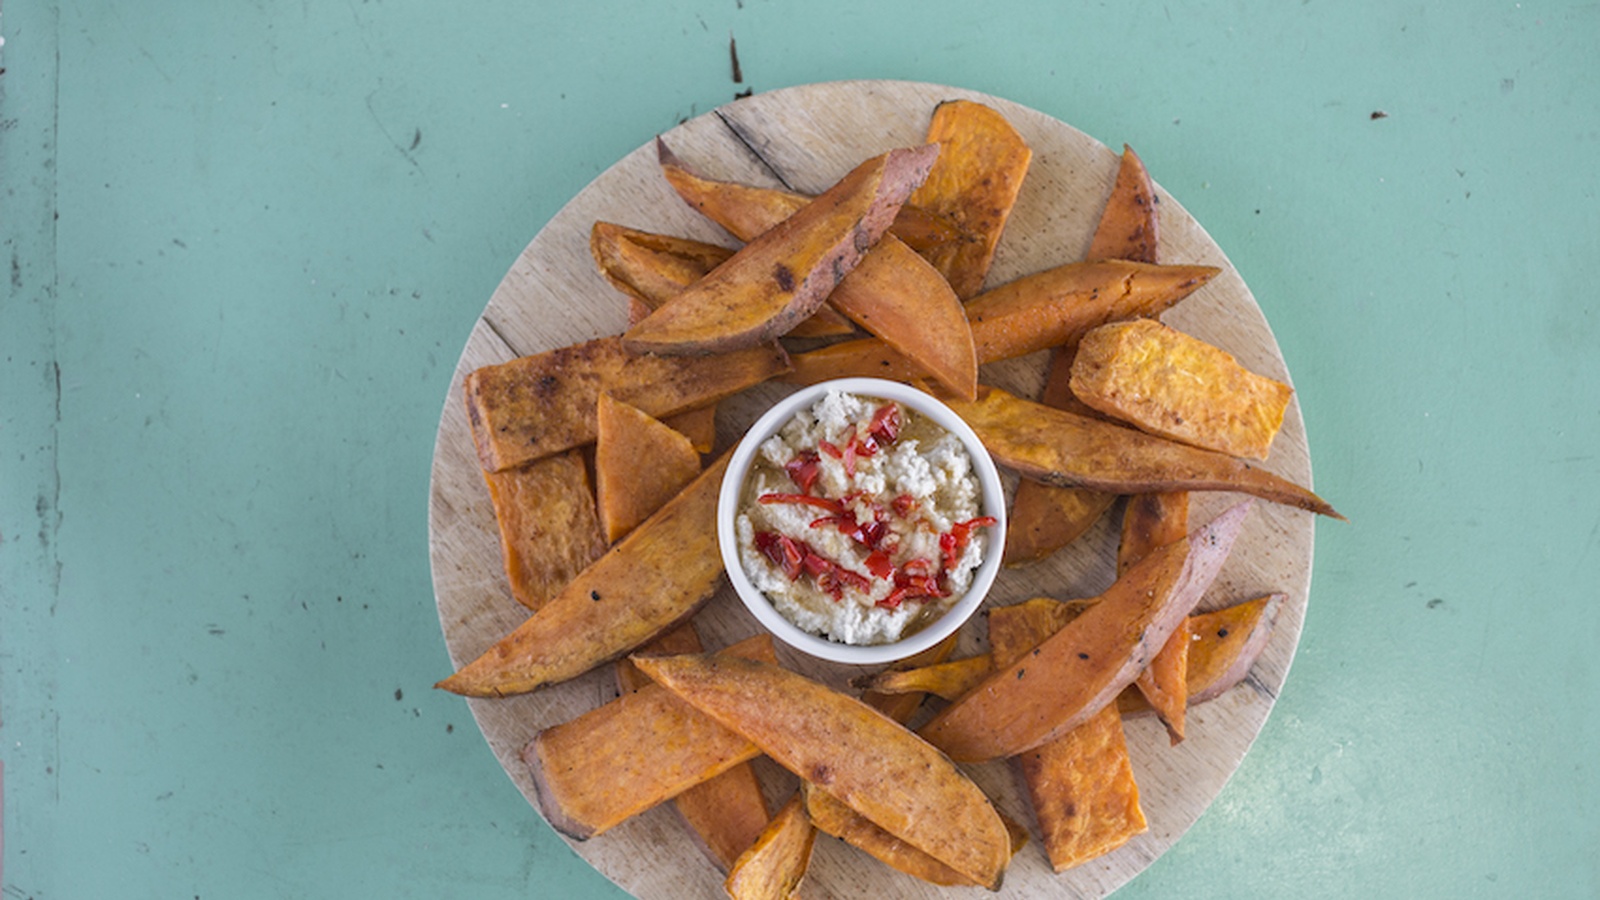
(803, 470)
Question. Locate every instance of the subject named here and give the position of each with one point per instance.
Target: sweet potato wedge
(946, 680)
(1179, 387)
(1148, 522)
(774, 865)
(549, 533)
(1080, 785)
(537, 405)
(892, 293)
(1044, 518)
(1062, 682)
(1058, 447)
(981, 166)
(650, 581)
(782, 276)
(1228, 642)
(624, 757)
(698, 425)
(852, 751)
(639, 464)
(834, 817)
(651, 269)
(902, 705)
(727, 811)
(1020, 317)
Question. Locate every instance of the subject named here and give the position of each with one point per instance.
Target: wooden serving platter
(805, 138)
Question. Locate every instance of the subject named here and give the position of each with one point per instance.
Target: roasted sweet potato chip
(1045, 518)
(852, 751)
(727, 811)
(1020, 317)
(653, 268)
(1069, 677)
(1058, 447)
(652, 580)
(893, 293)
(537, 405)
(982, 162)
(624, 757)
(1179, 387)
(783, 275)
(639, 464)
(773, 867)
(548, 530)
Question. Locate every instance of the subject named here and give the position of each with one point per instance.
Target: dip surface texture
(860, 521)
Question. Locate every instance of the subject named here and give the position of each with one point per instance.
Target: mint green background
(245, 243)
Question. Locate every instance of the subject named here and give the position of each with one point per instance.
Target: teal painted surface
(246, 242)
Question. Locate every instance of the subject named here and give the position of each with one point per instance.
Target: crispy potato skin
(1176, 386)
(1069, 677)
(784, 274)
(852, 751)
(1057, 447)
(533, 406)
(654, 579)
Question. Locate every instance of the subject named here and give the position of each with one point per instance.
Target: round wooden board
(805, 138)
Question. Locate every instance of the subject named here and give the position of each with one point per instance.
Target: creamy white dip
(860, 520)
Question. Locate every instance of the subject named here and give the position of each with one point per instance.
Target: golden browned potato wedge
(537, 405)
(782, 276)
(1061, 683)
(893, 293)
(653, 268)
(1045, 518)
(649, 582)
(1148, 522)
(1170, 384)
(624, 757)
(1057, 447)
(773, 867)
(1023, 316)
(852, 751)
(727, 811)
(548, 530)
(639, 464)
(982, 163)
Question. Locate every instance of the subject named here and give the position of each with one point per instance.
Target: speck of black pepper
(1019, 673)
(1083, 656)
(1222, 632)
(595, 596)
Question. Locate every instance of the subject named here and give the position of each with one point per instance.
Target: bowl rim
(992, 504)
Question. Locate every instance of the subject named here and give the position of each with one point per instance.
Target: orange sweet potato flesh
(1148, 522)
(1044, 518)
(1057, 447)
(1080, 785)
(537, 405)
(893, 293)
(698, 425)
(1229, 641)
(639, 464)
(946, 680)
(1170, 384)
(782, 276)
(653, 268)
(726, 812)
(1069, 677)
(649, 582)
(982, 163)
(1020, 317)
(624, 757)
(855, 753)
(775, 864)
(545, 513)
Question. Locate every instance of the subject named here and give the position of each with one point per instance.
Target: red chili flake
(904, 505)
(828, 448)
(803, 470)
(832, 506)
(878, 563)
(885, 425)
(954, 541)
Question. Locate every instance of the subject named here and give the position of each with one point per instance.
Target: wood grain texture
(805, 138)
